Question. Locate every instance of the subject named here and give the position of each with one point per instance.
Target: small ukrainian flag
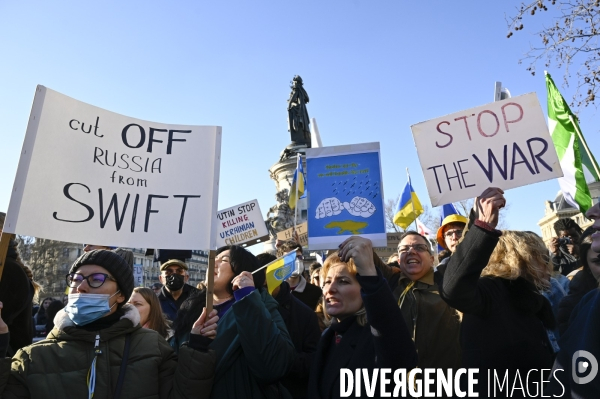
(409, 207)
(280, 269)
(297, 184)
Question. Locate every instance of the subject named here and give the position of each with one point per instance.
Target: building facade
(559, 208)
(50, 261)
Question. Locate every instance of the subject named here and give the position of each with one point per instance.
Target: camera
(565, 241)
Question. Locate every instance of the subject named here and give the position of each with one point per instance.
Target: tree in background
(431, 216)
(49, 261)
(569, 40)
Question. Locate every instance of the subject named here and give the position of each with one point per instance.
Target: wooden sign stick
(4, 240)
(210, 280)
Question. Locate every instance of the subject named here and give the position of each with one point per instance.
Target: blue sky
(371, 69)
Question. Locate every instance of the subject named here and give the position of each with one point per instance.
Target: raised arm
(461, 287)
(394, 347)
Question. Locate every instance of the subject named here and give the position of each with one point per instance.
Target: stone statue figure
(280, 217)
(298, 122)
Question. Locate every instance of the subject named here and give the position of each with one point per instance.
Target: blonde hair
(520, 254)
(331, 261)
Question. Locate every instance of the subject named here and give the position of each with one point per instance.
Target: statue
(280, 216)
(298, 122)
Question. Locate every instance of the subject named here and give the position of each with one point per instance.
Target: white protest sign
(93, 176)
(138, 275)
(241, 225)
(503, 144)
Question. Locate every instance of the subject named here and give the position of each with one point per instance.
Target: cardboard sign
(241, 225)
(503, 144)
(393, 239)
(345, 196)
(93, 176)
(301, 229)
(138, 275)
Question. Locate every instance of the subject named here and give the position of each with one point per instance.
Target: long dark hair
(42, 311)
(241, 260)
(189, 311)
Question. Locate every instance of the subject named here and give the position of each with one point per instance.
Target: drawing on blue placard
(358, 206)
(345, 195)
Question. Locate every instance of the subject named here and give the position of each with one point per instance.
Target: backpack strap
(123, 368)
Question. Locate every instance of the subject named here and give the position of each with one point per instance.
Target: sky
(371, 69)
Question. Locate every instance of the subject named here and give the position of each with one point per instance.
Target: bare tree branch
(572, 40)
(390, 211)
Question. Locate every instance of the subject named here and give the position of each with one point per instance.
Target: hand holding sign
(360, 206)
(329, 207)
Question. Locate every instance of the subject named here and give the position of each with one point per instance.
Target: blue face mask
(86, 308)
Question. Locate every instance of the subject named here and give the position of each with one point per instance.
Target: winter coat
(57, 367)
(432, 323)
(169, 305)
(303, 327)
(504, 322)
(383, 342)
(310, 295)
(16, 294)
(254, 350)
(582, 283)
(582, 335)
(564, 262)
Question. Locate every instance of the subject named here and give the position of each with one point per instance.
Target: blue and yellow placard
(345, 196)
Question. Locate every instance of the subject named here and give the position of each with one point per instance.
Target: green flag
(570, 147)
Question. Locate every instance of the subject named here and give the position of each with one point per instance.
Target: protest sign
(301, 229)
(138, 275)
(391, 248)
(241, 225)
(93, 176)
(345, 196)
(503, 144)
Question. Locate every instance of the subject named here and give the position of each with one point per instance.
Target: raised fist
(360, 206)
(329, 207)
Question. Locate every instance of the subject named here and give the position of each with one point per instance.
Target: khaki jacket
(434, 325)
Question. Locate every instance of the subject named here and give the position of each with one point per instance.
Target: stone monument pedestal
(280, 217)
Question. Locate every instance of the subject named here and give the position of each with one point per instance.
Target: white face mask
(299, 269)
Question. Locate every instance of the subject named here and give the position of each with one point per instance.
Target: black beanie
(113, 263)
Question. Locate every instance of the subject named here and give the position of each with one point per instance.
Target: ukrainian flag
(409, 207)
(297, 184)
(280, 269)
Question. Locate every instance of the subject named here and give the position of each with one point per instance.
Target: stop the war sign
(503, 144)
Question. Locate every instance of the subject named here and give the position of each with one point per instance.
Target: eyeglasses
(450, 233)
(94, 280)
(416, 247)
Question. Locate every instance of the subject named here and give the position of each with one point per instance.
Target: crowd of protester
(491, 300)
